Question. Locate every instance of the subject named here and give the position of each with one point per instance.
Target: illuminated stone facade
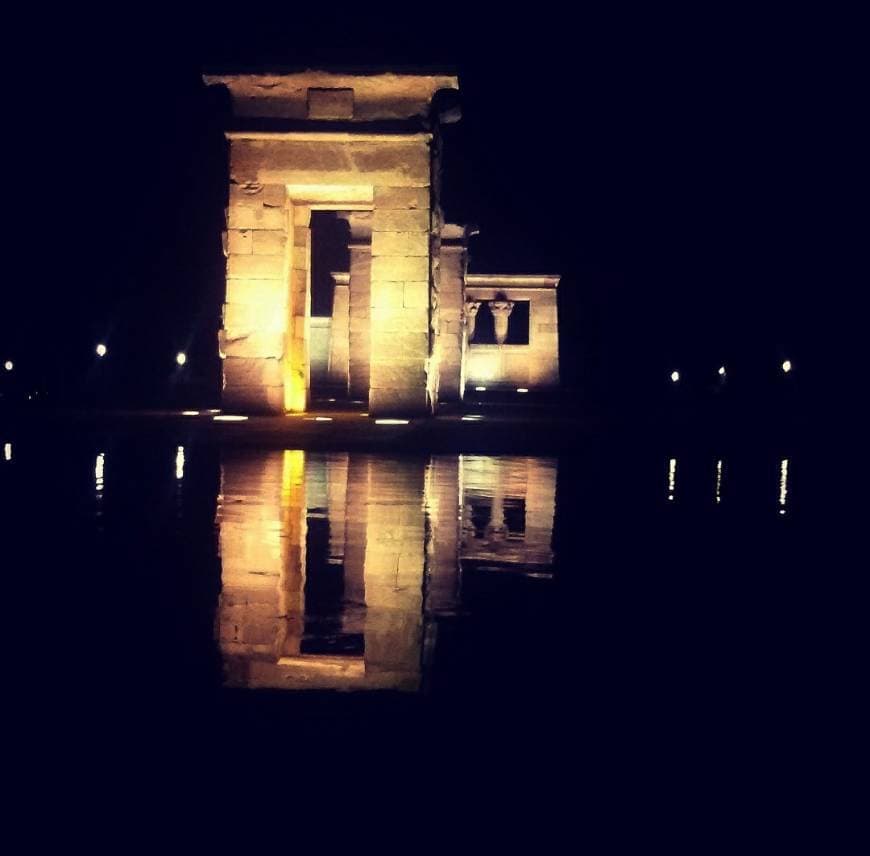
(367, 148)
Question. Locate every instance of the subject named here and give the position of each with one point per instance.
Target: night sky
(680, 173)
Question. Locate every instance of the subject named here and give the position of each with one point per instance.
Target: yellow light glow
(8, 365)
(363, 414)
(179, 463)
(99, 469)
(102, 350)
(722, 371)
(181, 358)
(718, 481)
(675, 376)
(783, 484)
(391, 421)
(672, 478)
(229, 418)
(480, 389)
(7, 451)
(786, 366)
(521, 389)
(190, 413)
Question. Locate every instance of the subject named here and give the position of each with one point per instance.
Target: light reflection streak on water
(357, 555)
(179, 463)
(783, 484)
(99, 469)
(7, 451)
(718, 482)
(672, 478)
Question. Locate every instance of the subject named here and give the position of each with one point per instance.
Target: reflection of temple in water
(333, 563)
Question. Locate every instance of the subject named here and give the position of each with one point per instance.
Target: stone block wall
(400, 294)
(252, 341)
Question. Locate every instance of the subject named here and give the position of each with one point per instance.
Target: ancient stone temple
(342, 278)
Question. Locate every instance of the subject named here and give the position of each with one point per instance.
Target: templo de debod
(342, 277)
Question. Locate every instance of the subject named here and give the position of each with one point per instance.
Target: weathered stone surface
(252, 372)
(400, 221)
(255, 267)
(255, 344)
(268, 243)
(395, 402)
(259, 217)
(387, 198)
(400, 268)
(320, 162)
(243, 318)
(330, 103)
(239, 241)
(267, 292)
(400, 244)
(416, 295)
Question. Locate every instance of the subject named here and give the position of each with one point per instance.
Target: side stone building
(403, 326)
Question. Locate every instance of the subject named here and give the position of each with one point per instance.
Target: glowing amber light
(181, 358)
(786, 366)
(8, 365)
(102, 350)
(675, 376)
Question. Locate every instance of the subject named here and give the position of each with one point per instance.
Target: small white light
(330, 399)
(721, 371)
(8, 365)
(318, 419)
(480, 389)
(521, 389)
(363, 414)
(472, 417)
(190, 413)
(391, 421)
(675, 376)
(101, 350)
(786, 366)
(181, 358)
(229, 418)
(213, 410)
(7, 451)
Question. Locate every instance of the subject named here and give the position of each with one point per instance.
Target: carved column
(471, 308)
(501, 310)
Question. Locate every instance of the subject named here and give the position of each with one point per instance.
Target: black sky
(680, 171)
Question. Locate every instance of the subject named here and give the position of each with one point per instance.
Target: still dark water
(622, 600)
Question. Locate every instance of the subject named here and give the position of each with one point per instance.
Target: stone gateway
(352, 160)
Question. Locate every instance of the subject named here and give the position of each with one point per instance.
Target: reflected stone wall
(333, 562)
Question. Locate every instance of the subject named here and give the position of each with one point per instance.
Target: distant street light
(721, 371)
(181, 358)
(675, 376)
(8, 365)
(102, 350)
(786, 366)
